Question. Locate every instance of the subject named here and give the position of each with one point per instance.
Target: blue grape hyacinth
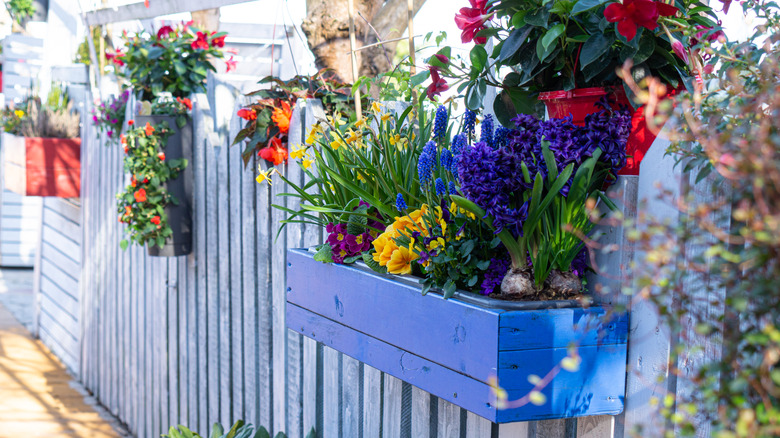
(440, 123)
(400, 203)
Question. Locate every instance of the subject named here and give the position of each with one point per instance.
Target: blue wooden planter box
(451, 348)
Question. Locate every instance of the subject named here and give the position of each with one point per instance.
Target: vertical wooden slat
(514, 430)
(265, 237)
(294, 240)
(148, 346)
(421, 413)
(173, 354)
(391, 412)
(477, 427)
(350, 388)
(223, 104)
(201, 389)
(449, 420)
(595, 427)
(372, 402)
(238, 359)
(330, 393)
(251, 308)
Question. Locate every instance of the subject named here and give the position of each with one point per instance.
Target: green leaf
(368, 259)
(513, 43)
(594, 48)
(123, 244)
(552, 34)
(543, 53)
(311, 434)
(324, 254)
(479, 57)
(475, 94)
(538, 18)
(160, 241)
(449, 289)
(586, 5)
(262, 432)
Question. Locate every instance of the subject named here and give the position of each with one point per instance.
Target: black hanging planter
(179, 145)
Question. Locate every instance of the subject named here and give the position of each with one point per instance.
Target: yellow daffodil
(314, 134)
(336, 120)
(360, 123)
(265, 176)
(337, 143)
(353, 136)
(307, 162)
(376, 107)
(386, 116)
(399, 142)
(298, 152)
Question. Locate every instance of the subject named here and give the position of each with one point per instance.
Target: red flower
(281, 116)
(146, 180)
(164, 31)
(131, 122)
(443, 59)
(155, 220)
(146, 3)
(472, 20)
(247, 114)
(275, 152)
(140, 195)
(161, 156)
(634, 13)
(230, 65)
(200, 42)
(218, 41)
(116, 57)
(149, 129)
(133, 181)
(438, 84)
(679, 50)
(185, 101)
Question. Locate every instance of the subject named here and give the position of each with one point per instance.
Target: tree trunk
(327, 29)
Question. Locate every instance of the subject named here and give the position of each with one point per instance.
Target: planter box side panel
(438, 380)
(461, 336)
(555, 328)
(596, 387)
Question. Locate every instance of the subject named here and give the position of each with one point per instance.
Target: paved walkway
(37, 397)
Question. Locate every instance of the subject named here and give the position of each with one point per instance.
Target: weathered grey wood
(477, 427)
(372, 402)
(311, 403)
(391, 412)
(595, 427)
(513, 430)
(350, 389)
(138, 11)
(421, 413)
(649, 338)
(449, 419)
(172, 338)
(330, 393)
(265, 239)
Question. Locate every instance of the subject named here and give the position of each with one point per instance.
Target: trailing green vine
(141, 205)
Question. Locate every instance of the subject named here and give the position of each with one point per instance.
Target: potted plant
(163, 70)
(475, 221)
(565, 54)
(109, 116)
(42, 148)
(267, 119)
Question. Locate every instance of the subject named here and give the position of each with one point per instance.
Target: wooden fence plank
(265, 238)
(331, 393)
(238, 393)
(173, 353)
(421, 413)
(449, 420)
(391, 411)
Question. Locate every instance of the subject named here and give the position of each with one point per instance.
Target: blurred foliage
(715, 275)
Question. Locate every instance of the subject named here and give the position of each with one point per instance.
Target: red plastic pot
(582, 101)
(42, 166)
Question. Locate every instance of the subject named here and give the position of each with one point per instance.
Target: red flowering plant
(175, 60)
(562, 45)
(141, 205)
(267, 119)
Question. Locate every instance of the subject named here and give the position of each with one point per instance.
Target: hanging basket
(582, 101)
(36, 166)
(179, 145)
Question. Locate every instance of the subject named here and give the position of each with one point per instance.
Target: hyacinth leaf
(514, 247)
(526, 172)
(583, 177)
(535, 214)
(549, 160)
(353, 188)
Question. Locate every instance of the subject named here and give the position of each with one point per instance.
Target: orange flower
(133, 181)
(122, 139)
(247, 114)
(275, 152)
(155, 220)
(128, 210)
(185, 101)
(149, 129)
(281, 116)
(131, 122)
(140, 195)
(161, 156)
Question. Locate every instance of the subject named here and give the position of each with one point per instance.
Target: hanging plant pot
(36, 166)
(454, 348)
(179, 146)
(582, 101)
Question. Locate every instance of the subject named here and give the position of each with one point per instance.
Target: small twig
(380, 43)
(378, 38)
